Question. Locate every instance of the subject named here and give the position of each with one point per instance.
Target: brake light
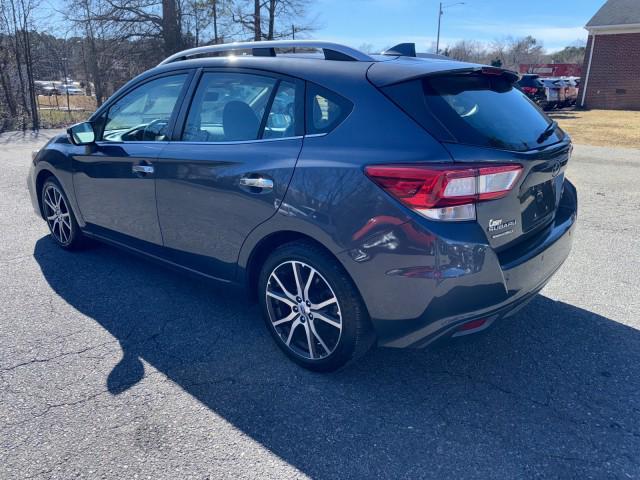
(492, 71)
(530, 90)
(445, 192)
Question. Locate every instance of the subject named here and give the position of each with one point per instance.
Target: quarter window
(143, 115)
(228, 107)
(325, 109)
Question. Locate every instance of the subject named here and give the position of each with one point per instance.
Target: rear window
(478, 109)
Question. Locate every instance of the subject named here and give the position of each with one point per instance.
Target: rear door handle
(144, 169)
(258, 182)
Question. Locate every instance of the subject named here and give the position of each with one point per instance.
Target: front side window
(228, 107)
(143, 115)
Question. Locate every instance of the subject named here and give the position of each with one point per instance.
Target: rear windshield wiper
(548, 131)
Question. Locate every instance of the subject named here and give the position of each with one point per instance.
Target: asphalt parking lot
(111, 366)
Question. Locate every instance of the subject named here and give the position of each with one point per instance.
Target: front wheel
(312, 308)
(61, 221)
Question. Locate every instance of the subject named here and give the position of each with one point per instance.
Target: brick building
(611, 70)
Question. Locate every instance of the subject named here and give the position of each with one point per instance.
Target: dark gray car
(359, 199)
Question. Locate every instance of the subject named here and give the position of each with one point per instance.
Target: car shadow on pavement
(552, 392)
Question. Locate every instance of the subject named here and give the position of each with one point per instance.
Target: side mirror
(82, 134)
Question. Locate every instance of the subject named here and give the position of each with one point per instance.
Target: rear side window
(478, 109)
(325, 109)
(228, 107)
(281, 121)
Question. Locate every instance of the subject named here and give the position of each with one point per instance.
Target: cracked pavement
(114, 367)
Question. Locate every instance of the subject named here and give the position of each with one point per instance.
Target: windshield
(486, 110)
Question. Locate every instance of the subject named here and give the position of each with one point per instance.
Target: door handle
(144, 169)
(259, 182)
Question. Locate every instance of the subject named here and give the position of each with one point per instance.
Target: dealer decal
(500, 227)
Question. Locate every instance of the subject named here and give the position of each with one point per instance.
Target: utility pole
(441, 8)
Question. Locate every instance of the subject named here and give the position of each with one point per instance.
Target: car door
(228, 167)
(114, 179)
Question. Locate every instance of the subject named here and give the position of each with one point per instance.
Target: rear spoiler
(404, 69)
(509, 75)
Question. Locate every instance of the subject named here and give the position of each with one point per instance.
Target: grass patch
(76, 102)
(61, 118)
(605, 128)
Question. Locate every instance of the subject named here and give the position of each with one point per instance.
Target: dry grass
(606, 128)
(76, 102)
(61, 118)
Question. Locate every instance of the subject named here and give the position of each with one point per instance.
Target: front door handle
(144, 169)
(257, 182)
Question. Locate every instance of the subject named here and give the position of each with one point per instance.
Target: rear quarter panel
(329, 197)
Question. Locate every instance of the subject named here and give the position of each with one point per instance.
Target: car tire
(56, 210)
(330, 323)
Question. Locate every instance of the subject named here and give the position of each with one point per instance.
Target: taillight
(445, 192)
(530, 90)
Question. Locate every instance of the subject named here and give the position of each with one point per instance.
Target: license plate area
(539, 204)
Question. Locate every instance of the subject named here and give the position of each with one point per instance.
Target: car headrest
(317, 113)
(239, 122)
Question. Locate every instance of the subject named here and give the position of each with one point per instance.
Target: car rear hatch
(484, 121)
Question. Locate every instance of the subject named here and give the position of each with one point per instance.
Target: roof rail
(332, 51)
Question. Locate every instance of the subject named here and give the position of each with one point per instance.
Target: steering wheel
(140, 132)
(147, 127)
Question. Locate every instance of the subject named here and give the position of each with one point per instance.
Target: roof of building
(617, 12)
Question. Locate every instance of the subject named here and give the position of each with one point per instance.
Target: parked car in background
(554, 93)
(565, 92)
(533, 88)
(71, 90)
(352, 212)
(571, 90)
(46, 89)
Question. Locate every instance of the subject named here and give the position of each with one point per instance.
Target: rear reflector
(445, 192)
(472, 325)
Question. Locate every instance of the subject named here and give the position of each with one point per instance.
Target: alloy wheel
(57, 214)
(304, 310)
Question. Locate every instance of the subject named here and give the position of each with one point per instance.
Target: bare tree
(467, 51)
(17, 18)
(272, 19)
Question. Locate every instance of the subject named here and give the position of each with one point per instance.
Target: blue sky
(385, 22)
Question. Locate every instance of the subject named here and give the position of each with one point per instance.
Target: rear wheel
(61, 221)
(312, 308)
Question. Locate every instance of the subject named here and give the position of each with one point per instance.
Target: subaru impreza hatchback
(360, 199)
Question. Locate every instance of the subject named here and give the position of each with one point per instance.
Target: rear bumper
(429, 284)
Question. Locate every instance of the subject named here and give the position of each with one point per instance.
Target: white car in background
(70, 89)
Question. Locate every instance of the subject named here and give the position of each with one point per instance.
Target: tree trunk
(171, 33)
(215, 21)
(18, 57)
(33, 98)
(257, 22)
(11, 104)
(6, 84)
(272, 19)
